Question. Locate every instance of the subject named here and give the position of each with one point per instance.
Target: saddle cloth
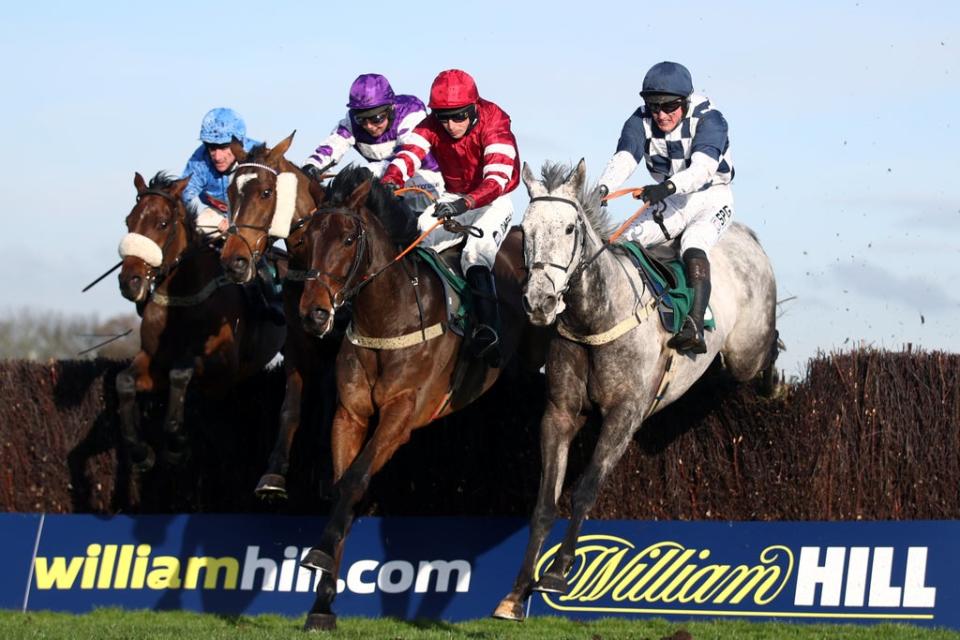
(662, 270)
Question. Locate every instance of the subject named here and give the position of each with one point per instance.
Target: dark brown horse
(399, 356)
(196, 324)
(272, 199)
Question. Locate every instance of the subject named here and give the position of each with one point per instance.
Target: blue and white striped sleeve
(708, 144)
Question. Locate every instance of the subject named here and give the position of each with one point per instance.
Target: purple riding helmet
(369, 91)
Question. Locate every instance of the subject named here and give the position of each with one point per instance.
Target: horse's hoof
(509, 610)
(317, 561)
(320, 622)
(551, 583)
(272, 487)
(145, 461)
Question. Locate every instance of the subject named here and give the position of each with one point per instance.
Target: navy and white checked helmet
(220, 125)
(667, 78)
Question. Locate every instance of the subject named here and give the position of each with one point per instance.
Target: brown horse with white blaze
(272, 199)
(196, 325)
(400, 355)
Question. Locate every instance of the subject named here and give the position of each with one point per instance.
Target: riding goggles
(666, 107)
(456, 115)
(376, 118)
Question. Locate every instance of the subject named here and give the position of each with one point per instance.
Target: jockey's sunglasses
(453, 116)
(376, 118)
(666, 107)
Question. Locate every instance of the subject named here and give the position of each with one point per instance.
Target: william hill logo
(612, 575)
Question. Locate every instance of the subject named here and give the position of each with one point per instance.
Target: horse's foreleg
(273, 483)
(615, 434)
(352, 473)
(175, 447)
(134, 378)
(557, 429)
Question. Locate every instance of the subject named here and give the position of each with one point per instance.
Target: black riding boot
(485, 339)
(271, 297)
(690, 336)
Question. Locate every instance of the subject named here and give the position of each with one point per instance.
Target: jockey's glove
(313, 172)
(451, 209)
(657, 193)
(604, 191)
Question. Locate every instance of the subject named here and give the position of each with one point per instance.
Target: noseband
(156, 274)
(580, 230)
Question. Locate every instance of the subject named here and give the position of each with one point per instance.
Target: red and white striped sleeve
(499, 165)
(416, 145)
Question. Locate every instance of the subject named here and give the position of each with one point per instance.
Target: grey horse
(611, 352)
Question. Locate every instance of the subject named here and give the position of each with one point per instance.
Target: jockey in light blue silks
(684, 142)
(210, 168)
(377, 124)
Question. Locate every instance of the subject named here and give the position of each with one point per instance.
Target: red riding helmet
(453, 88)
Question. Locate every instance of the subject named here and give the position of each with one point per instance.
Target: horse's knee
(180, 377)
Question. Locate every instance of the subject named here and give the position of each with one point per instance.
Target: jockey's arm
(499, 157)
(708, 143)
(333, 146)
(629, 154)
(409, 156)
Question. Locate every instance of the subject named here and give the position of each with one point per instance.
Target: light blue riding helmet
(670, 78)
(220, 125)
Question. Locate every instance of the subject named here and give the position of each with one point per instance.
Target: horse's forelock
(555, 175)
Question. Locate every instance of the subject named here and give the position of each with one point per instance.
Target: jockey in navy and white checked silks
(696, 157)
(368, 92)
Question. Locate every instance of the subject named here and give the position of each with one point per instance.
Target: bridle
(347, 287)
(234, 228)
(155, 275)
(580, 231)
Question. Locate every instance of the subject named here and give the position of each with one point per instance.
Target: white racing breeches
(493, 220)
(698, 218)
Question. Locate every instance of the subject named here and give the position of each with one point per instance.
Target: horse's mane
(162, 181)
(397, 219)
(257, 154)
(555, 174)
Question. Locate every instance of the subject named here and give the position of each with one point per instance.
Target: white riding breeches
(698, 218)
(493, 220)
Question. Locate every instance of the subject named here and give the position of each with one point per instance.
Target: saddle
(661, 268)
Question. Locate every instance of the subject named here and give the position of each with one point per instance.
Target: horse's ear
(280, 150)
(139, 182)
(236, 148)
(359, 195)
(317, 192)
(578, 176)
(528, 178)
(179, 185)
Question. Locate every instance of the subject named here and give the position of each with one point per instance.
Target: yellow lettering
(231, 566)
(123, 567)
(140, 566)
(164, 573)
(58, 574)
(90, 566)
(702, 594)
(107, 561)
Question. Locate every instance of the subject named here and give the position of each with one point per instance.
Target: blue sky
(842, 124)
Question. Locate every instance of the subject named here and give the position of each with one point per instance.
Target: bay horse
(397, 361)
(196, 324)
(610, 355)
(271, 199)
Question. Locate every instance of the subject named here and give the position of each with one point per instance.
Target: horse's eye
(349, 240)
(569, 229)
(266, 193)
(162, 224)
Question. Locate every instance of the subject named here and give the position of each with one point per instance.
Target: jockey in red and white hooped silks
(477, 152)
(377, 124)
(684, 141)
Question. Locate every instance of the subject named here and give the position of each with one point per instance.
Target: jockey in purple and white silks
(377, 124)
(684, 142)
(211, 167)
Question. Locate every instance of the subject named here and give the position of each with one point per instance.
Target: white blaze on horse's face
(553, 246)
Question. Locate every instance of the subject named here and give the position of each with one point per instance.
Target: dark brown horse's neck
(387, 305)
(195, 266)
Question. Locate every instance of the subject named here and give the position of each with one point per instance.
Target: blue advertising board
(459, 568)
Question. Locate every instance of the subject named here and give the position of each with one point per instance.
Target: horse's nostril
(319, 315)
(550, 303)
(239, 263)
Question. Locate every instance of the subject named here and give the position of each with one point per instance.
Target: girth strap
(188, 301)
(641, 313)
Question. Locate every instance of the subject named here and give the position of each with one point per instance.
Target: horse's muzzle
(239, 269)
(541, 308)
(317, 321)
(133, 287)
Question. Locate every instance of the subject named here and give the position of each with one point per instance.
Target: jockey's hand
(604, 192)
(451, 209)
(657, 193)
(313, 172)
